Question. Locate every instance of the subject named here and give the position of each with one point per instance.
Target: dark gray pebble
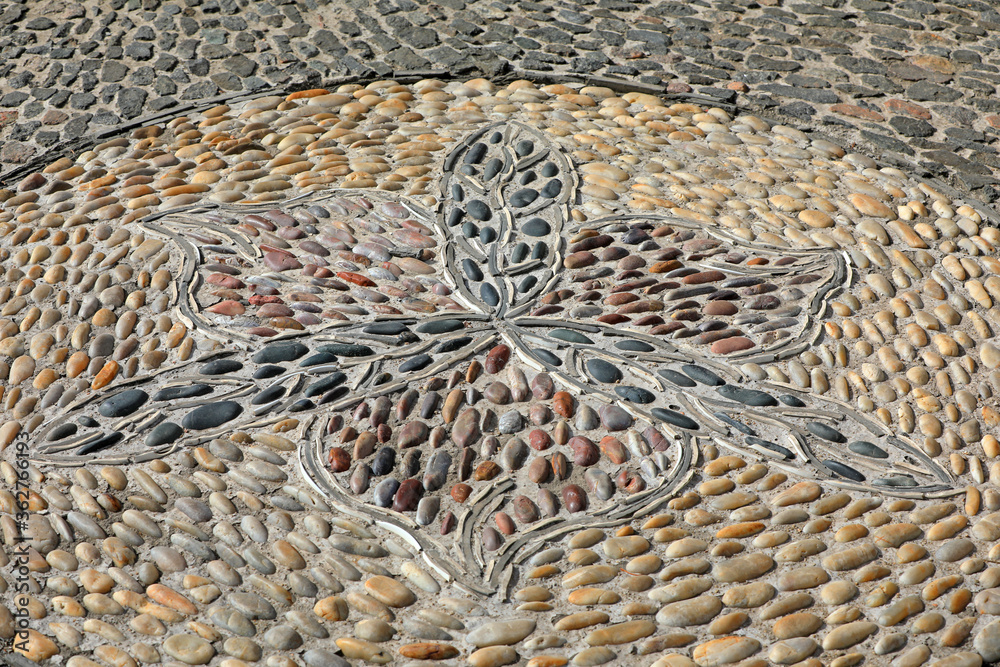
(702, 375)
(629, 345)
(869, 449)
(792, 401)
(386, 328)
(346, 350)
(269, 371)
(773, 446)
(101, 443)
(742, 428)
(325, 384)
(488, 293)
(523, 198)
(896, 481)
(552, 189)
(826, 432)
(675, 418)
(570, 336)
(472, 270)
(635, 394)
(844, 470)
(385, 461)
(747, 396)
(415, 363)
(62, 431)
(536, 227)
(123, 404)
(479, 210)
(492, 168)
(676, 378)
(385, 491)
(519, 253)
(602, 371)
(440, 326)
(163, 434)
(476, 153)
(220, 367)
(317, 359)
(547, 357)
(212, 415)
(454, 344)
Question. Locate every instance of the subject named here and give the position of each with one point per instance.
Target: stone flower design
(487, 374)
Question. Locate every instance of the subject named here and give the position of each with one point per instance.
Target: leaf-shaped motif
(507, 189)
(623, 333)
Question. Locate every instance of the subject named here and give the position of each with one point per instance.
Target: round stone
(536, 227)
(602, 371)
(211, 415)
(123, 404)
(189, 649)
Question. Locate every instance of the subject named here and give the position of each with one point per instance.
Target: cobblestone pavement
(666, 335)
(916, 79)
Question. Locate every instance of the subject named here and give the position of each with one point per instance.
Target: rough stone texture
(847, 66)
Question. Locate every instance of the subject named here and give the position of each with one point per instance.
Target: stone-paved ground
(912, 78)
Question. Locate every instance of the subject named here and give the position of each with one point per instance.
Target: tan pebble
(723, 464)
(685, 547)
(696, 611)
(894, 535)
(500, 633)
(168, 597)
(963, 659)
(849, 559)
(580, 620)
(585, 576)
(850, 533)
(724, 651)
(803, 492)
(800, 550)
(956, 634)
(947, 528)
(533, 594)
(493, 656)
(803, 578)
(838, 592)
(390, 591)
(928, 623)
(359, 649)
(800, 624)
(586, 538)
(374, 630)
(749, 596)
(646, 564)
(189, 649)
(624, 547)
(332, 609)
(786, 605)
(682, 590)
(742, 568)
(848, 635)
(583, 557)
(621, 633)
(900, 610)
(36, 646)
(590, 596)
(792, 650)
